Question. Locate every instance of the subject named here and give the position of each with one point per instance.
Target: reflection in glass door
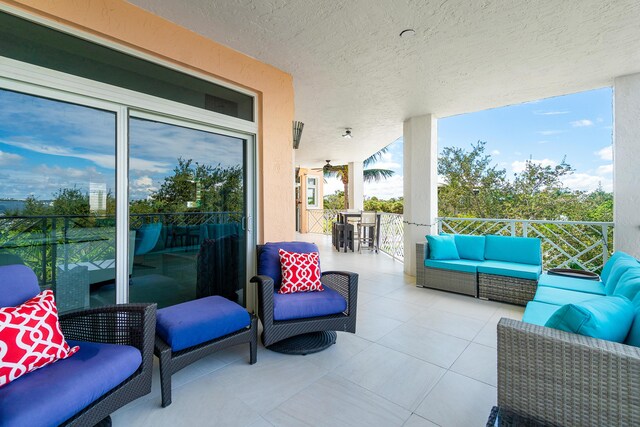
(187, 213)
(57, 199)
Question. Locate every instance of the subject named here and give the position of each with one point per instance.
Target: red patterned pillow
(300, 272)
(30, 337)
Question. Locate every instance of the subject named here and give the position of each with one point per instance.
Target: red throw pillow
(30, 337)
(300, 272)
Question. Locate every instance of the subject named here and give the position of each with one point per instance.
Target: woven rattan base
(304, 344)
(506, 289)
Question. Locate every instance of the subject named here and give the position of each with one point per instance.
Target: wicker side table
(512, 290)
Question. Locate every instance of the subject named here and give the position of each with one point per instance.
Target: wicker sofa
(565, 379)
(499, 268)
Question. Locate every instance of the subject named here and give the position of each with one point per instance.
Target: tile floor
(420, 357)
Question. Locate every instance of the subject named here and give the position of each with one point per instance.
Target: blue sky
(577, 126)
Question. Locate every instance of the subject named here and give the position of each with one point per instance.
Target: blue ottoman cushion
(53, 394)
(571, 284)
(561, 296)
(303, 305)
(198, 321)
(269, 262)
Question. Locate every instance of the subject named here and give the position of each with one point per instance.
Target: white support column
(420, 136)
(356, 185)
(626, 152)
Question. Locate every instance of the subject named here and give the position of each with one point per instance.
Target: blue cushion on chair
(608, 318)
(633, 338)
(195, 322)
(442, 247)
(629, 283)
(269, 262)
(53, 394)
(302, 305)
(561, 296)
(510, 269)
(462, 265)
(606, 270)
(470, 247)
(617, 270)
(523, 250)
(595, 287)
(18, 283)
(538, 313)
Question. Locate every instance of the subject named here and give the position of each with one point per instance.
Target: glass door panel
(57, 200)
(187, 213)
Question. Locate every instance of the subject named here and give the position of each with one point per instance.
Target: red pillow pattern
(30, 337)
(300, 272)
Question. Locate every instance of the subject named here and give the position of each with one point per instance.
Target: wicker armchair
(128, 324)
(564, 379)
(345, 283)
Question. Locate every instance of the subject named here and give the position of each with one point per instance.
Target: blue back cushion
(608, 318)
(523, 250)
(617, 270)
(470, 247)
(634, 333)
(18, 283)
(606, 270)
(269, 259)
(629, 283)
(442, 247)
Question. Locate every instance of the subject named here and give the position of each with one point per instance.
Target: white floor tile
(478, 362)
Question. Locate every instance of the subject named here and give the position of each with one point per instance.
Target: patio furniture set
(356, 226)
(574, 359)
(84, 365)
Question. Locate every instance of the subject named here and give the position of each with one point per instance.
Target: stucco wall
(124, 23)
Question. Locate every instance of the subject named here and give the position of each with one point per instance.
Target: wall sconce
(297, 134)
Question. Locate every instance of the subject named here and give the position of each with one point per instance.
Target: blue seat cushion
(629, 284)
(269, 260)
(561, 296)
(195, 322)
(510, 269)
(521, 250)
(537, 313)
(608, 318)
(302, 305)
(442, 247)
(633, 338)
(53, 394)
(606, 270)
(462, 265)
(470, 247)
(617, 270)
(571, 284)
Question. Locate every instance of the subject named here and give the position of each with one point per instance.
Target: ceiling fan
(325, 168)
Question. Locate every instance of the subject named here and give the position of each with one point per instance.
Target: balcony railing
(565, 244)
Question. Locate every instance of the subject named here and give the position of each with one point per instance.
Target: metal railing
(565, 244)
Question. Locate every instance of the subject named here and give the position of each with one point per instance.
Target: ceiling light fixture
(409, 32)
(347, 133)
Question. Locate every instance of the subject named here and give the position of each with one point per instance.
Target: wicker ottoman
(506, 289)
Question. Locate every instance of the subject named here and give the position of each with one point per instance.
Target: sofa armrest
(346, 284)
(567, 379)
(265, 298)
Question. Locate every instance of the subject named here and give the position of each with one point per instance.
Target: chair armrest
(265, 298)
(345, 283)
(566, 379)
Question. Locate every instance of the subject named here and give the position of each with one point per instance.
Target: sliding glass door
(187, 208)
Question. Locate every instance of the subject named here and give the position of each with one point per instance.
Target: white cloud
(385, 189)
(332, 185)
(495, 153)
(8, 158)
(605, 169)
(587, 182)
(550, 113)
(550, 132)
(519, 166)
(605, 153)
(582, 123)
(543, 142)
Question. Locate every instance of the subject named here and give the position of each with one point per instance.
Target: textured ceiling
(351, 69)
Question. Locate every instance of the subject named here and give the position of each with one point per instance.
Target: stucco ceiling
(351, 68)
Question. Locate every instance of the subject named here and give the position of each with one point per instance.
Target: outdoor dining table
(342, 217)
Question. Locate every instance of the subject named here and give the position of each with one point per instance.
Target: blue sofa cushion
(303, 305)
(617, 270)
(53, 394)
(537, 313)
(629, 284)
(442, 247)
(470, 247)
(18, 283)
(511, 269)
(198, 321)
(561, 296)
(269, 262)
(608, 318)
(606, 270)
(633, 338)
(595, 287)
(462, 265)
(522, 250)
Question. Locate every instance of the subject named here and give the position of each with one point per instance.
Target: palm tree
(342, 173)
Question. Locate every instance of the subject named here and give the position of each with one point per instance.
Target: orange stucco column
(123, 23)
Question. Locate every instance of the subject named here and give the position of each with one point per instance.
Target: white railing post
(525, 228)
(513, 227)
